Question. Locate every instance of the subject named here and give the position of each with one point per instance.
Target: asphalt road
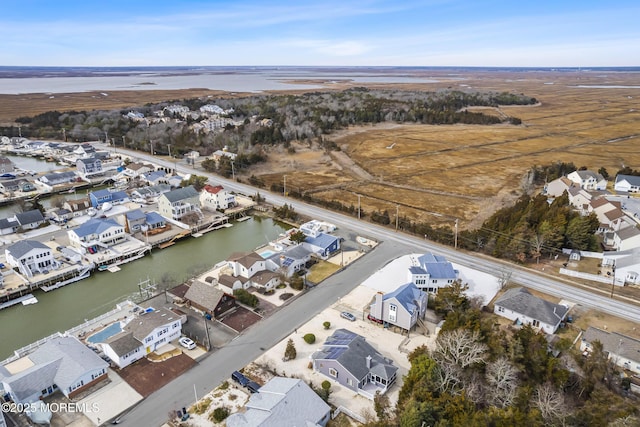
(217, 367)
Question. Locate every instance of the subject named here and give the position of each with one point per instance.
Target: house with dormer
(89, 166)
(588, 180)
(519, 305)
(95, 234)
(142, 334)
(209, 299)
(403, 307)
(431, 272)
(99, 197)
(178, 203)
(216, 198)
(30, 257)
(246, 270)
(77, 207)
(350, 360)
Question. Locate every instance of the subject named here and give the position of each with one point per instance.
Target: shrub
(224, 385)
(285, 296)
(290, 352)
(219, 414)
(296, 282)
(246, 297)
(326, 385)
(309, 338)
(326, 325)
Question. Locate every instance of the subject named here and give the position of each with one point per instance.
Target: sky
(542, 33)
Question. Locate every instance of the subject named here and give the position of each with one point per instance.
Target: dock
(16, 301)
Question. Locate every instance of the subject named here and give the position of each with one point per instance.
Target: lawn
(321, 271)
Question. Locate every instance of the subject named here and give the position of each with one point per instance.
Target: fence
(585, 254)
(349, 413)
(587, 276)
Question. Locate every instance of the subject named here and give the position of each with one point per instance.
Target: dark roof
(123, 343)
(246, 260)
(631, 179)
(521, 301)
(181, 194)
(614, 343)
(409, 296)
(228, 280)
(29, 217)
(7, 223)
(262, 277)
(144, 324)
(23, 247)
(627, 233)
(205, 295)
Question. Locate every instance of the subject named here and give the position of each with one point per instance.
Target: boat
(92, 211)
(106, 206)
(30, 301)
(103, 268)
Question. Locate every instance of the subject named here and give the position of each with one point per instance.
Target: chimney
(368, 362)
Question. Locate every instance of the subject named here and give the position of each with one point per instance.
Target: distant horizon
(335, 33)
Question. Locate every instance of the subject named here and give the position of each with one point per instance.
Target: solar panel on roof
(335, 353)
(287, 262)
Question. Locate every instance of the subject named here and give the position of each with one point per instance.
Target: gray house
(402, 307)
(282, 402)
(351, 361)
(30, 219)
(519, 305)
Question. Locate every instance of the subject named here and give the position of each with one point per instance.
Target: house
(61, 215)
(625, 266)
(150, 192)
(249, 269)
(290, 261)
(6, 165)
(218, 154)
(215, 198)
(265, 280)
(99, 197)
(557, 187)
(154, 220)
(627, 184)
(136, 169)
(246, 264)
(96, 233)
(62, 363)
(30, 220)
(282, 402)
(322, 245)
(431, 272)
(19, 184)
(77, 207)
(156, 177)
(588, 180)
(622, 350)
(209, 299)
(58, 178)
(350, 360)
(178, 203)
(402, 307)
(519, 305)
(134, 221)
(314, 227)
(8, 226)
(141, 335)
(30, 257)
(89, 166)
(626, 239)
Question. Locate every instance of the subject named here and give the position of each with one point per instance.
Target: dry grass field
(438, 173)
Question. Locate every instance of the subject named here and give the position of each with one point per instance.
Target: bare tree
(505, 277)
(537, 243)
(502, 378)
(459, 347)
(447, 378)
(549, 401)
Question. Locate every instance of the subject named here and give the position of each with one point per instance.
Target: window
(500, 309)
(350, 381)
(393, 311)
(536, 323)
(333, 372)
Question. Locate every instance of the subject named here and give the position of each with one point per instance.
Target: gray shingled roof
(627, 233)
(631, 179)
(205, 295)
(614, 343)
(123, 343)
(144, 324)
(181, 194)
(29, 217)
(23, 247)
(281, 402)
(246, 260)
(521, 301)
(34, 379)
(262, 277)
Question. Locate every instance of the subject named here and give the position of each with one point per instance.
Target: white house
(248, 270)
(557, 187)
(431, 272)
(626, 239)
(96, 233)
(56, 178)
(622, 350)
(625, 266)
(216, 197)
(579, 199)
(30, 257)
(178, 203)
(519, 305)
(142, 335)
(588, 180)
(627, 183)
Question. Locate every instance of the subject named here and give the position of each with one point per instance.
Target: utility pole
(284, 188)
(151, 142)
(358, 206)
(169, 145)
(233, 171)
(455, 240)
(397, 213)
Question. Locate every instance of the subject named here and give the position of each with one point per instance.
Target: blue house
(430, 272)
(102, 196)
(155, 220)
(322, 245)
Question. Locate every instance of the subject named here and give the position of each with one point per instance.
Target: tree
(549, 401)
(451, 298)
(290, 352)
(297, 237)
(502, 378)
(603, 171)
(459, 347)
(381, 405)
(197, 181)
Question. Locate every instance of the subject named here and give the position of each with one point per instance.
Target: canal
(66, 307)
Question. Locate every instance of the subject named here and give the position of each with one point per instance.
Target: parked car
(253, 387)
(348, 316)
(239, 378)
(373, 319)
(187, 343)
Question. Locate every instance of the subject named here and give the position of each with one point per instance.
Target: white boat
(106, 206)
(30, 301)
(92, 211)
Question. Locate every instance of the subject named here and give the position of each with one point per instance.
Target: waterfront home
(58, 178)
(403, 307)
(89, 166)
(156, 177)
(519, 305)
(314, 228)
(62, 363)
(249, 269)
(153, 221)
(216, 197)
(141, 335)
(136, 169)
(61, 215)
(177, 204)
(30, 257)
(246, 264)
(6, 165)
(588, 180)
(78, 207)
(290, 261)
(19, 184)
(150, 192)
(134, 221)
(322, 245)
(99, 197)
(282, 402)
(8, 226)
(95, 234)
(431, 272)
(209, 299)
(22, 221)
(349, 359)
(627, 183)
(622, 350)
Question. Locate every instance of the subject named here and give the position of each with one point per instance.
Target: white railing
(587, 276)
(348, 412)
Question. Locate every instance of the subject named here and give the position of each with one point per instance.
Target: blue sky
(323, 33)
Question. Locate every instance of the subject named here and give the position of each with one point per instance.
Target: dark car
(239, 378)
(373, 319)
(253, 387)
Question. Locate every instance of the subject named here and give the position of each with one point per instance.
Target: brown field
(437, 173)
